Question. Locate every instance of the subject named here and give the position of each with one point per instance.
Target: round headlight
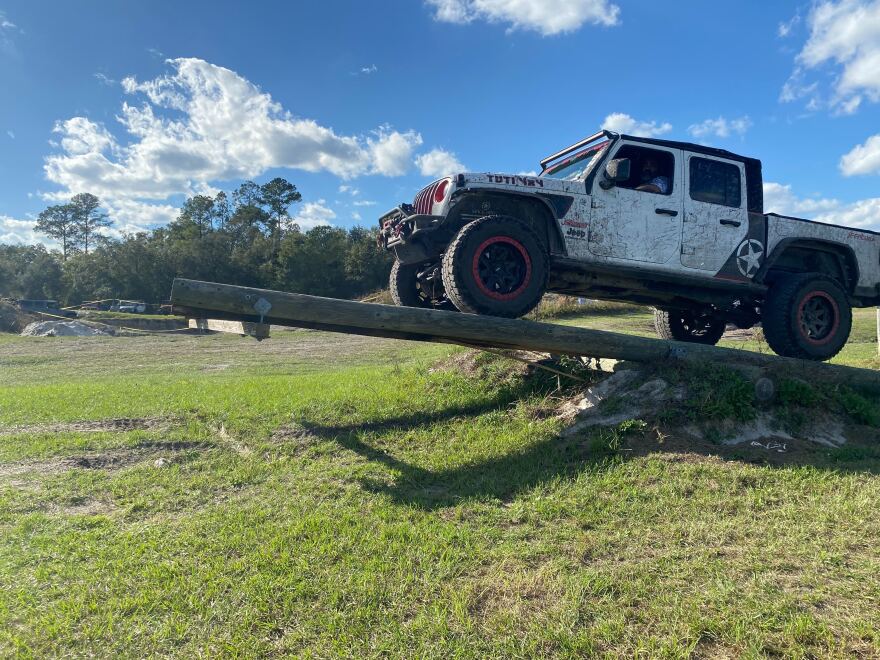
(440, 193)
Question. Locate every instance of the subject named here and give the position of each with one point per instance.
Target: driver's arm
(649, 187)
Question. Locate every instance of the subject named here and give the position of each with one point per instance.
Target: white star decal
(748, 257)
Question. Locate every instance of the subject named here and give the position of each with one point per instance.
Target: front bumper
(398, 226)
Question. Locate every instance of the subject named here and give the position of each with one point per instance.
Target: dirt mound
(686, 408)
(66, 329)
(12, 319)
(720, 414)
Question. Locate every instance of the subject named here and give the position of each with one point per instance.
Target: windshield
(578, 165)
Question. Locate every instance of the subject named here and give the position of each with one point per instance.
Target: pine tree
(88, 218)
(59, 222)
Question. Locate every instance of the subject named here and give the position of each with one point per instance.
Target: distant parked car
(130, 307)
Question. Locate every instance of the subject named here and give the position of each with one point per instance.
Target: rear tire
(807, 316)
(689, 326)
(495, 266)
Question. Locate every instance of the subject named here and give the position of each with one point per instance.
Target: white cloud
(7, 29)
(11, 135)
(392, 151)
(202, 123)
(784, 29)
(548, 17)
(439, 162)
(863, 158)
(351, 190)
(131, 216)
(844, 35)
(104, 79)
(20, 232)
(863, 214)
(620, 122)
(355, 215)
(313, 214)
(365, 202)
(779, 198)
(367, 70)
(720, 127)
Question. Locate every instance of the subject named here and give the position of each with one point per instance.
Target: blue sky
(361, 104)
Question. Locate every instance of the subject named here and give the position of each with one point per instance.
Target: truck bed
(863, 243)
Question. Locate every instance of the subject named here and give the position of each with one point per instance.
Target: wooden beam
(193, 298)
(255, 330)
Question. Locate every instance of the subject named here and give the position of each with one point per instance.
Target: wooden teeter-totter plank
(225, 301)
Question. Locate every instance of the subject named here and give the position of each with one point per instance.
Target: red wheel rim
(501, 268)
(818, 317)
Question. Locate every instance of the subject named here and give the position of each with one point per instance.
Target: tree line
(246, 238)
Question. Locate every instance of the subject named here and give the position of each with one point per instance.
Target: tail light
(440, 193)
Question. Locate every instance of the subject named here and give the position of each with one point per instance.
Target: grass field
(323, 495)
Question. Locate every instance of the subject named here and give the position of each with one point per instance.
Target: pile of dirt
(66, 329)
(12, 319)
(692, 409)
(633, 393)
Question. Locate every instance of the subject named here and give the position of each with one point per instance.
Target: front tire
(807, 316)
(495, 266)
(407, 291)
(689, 326)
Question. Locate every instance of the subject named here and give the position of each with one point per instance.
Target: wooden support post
(255, 330)
(194, 298)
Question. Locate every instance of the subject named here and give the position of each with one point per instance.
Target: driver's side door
(635, 225)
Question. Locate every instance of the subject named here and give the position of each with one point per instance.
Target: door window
(715, 182)
(651, 170)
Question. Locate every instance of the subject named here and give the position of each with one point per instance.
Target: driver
(651, 179)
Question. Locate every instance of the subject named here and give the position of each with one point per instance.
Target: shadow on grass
(500, 478)
(564, 456)
(503, 477)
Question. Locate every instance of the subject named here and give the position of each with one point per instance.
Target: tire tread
(456, 291)
(776, 319)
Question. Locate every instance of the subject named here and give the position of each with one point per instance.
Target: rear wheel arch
(794, 256)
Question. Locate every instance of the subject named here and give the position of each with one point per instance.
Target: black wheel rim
(698, 326)
(817, 318)
(502, 268)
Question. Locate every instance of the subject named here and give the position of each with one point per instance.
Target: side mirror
(616, 170)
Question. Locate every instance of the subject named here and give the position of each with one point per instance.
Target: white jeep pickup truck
(674, 225)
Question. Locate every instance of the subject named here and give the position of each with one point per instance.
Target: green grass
(320, 495)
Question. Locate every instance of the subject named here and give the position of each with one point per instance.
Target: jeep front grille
(424, 200)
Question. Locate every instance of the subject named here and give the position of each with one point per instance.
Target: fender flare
(555, 205)
(841, 250)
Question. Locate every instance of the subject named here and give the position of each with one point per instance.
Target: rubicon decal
(568, 222)
(515, 180)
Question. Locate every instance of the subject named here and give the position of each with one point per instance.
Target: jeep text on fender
(671, 224)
